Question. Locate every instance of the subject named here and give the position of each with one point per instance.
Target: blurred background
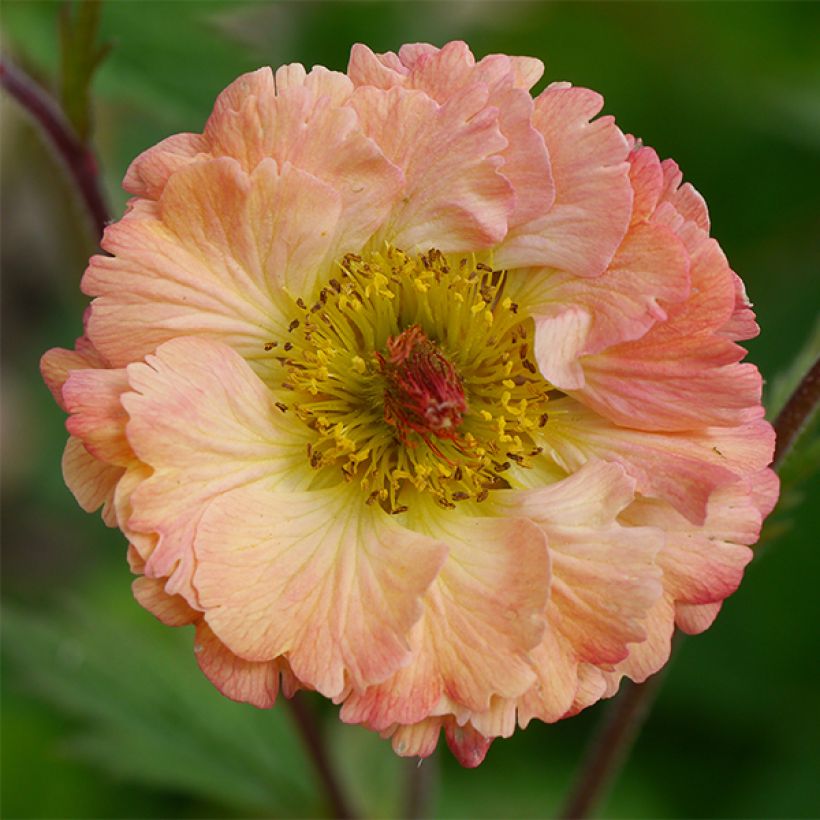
(104, 711)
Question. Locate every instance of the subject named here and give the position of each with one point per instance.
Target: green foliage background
(104, 711)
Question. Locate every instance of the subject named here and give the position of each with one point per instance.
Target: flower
(413, 390)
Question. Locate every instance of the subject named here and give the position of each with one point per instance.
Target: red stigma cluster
(423, 392)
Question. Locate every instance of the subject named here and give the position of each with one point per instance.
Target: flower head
(414, 390)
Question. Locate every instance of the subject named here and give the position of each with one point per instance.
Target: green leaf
(146, 713)
(370, 772)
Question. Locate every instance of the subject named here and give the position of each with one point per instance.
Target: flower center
(423, 392)
(414, 371)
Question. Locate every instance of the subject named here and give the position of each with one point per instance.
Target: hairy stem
(314, 743)
(610, 746)
(75, 154)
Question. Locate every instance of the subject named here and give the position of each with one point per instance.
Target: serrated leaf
(147, 714)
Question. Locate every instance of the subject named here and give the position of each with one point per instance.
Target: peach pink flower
(413, 390)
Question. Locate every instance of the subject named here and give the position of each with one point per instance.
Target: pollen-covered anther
(423, 392)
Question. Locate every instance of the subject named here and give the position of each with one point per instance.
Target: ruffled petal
(91, 481)
(593, 195)
(681, 374)
(661, 196)
(205, 424)
(561, 333)
(683, 197)
(672, 393)
(306, 123)
(135, 561)
(468, 746)
(98, 419)
(150, 171)
(682, 468)
(141, 544)
(696, 618)
(408, 696)
(649, 271)
(646, 177)
(452, 70)
(211, 258)
(445, 72)
(172, 610)
(255, 87)
(482, 615)
(527, 71)
(96, 452)
(250, 122)
(440, 72)
(237, 679)
(295, 117)
(380, 71)
(741, 325)
(764, 488)
(604, 583)
(455, 199)
(57, 363)
(556, 683)
(498, 721)
(650, 655)
(704, 565)
(526, 162)
(416, 739)
(320, 576)
(592, 686)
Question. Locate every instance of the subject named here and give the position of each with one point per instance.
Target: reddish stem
(76, 155)
(421, 785)
(796, 413)
(314, 743)
(610, 747)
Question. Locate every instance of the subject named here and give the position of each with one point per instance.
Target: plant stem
(80, 57)
(796, 413)
(613, 740)
(314, 743)
(75, 154)
(420, 784)
(610, 747)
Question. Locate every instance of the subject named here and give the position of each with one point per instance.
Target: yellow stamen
(336, 386)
